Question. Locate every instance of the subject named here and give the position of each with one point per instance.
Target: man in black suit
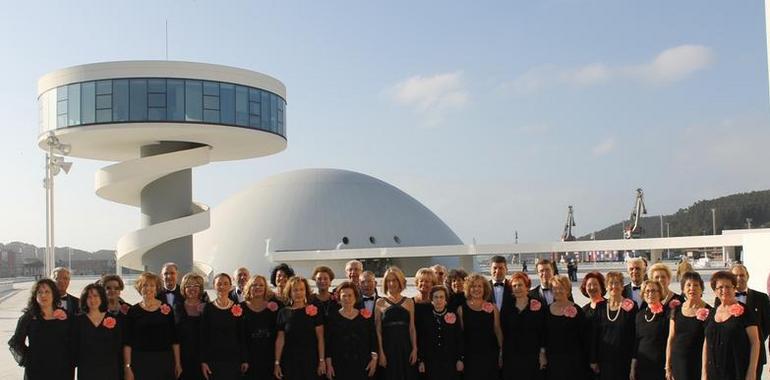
(241, 277)
(545, 271)
(754, 300)
(170, 293)
(70, 303)
(368, 286)
(636, 268)
(501, 290)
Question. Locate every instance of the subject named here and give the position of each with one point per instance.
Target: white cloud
(670, 65)
(604, 147)
(432, 97)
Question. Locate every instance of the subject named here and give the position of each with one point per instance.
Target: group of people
(458, 326)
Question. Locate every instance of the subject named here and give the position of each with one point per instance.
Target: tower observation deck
(158, 120)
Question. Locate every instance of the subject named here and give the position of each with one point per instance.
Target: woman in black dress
(300, 338)
(113, 286)
(440, 351)
(483, 338)
(351, 339)
(455, 282)
(150, 344)
(523, 329)
(187, 316)
(614, 332)
(685, 334)
(223, 339)
(662, 274)
(279, 276)
(564, 341)
(99, 338)
(48, 329)
(649, 356)
(260, 311)
(594, 288)
(324, 300)
(731, 347)
(424, 280)
(396, 333)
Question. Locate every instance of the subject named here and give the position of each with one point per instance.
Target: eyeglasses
(724, 288)
(651, 291)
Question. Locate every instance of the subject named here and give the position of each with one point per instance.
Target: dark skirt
(521, 367)
(224, 370)
(152, 365)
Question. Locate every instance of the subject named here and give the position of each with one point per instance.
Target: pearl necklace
(651, 319)
(620, 307)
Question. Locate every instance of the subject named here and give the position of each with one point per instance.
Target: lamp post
(53, 165)
(713, 221)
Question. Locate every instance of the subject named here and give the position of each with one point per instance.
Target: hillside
(731, 214)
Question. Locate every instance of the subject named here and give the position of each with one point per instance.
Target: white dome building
(317, 209)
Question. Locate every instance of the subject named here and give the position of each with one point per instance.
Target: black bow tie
(238, 291)
(546, 290)
(365, 298)
(636, 288)
(499, 284)
(738, 294)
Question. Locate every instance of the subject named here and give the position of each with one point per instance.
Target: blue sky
(495, 115)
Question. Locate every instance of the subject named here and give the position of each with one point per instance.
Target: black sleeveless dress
(728, 346)
(650, 346)
(613, 341)
(480, 344)
(687, 347)
(396, 343)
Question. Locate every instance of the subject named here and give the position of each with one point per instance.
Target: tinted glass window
(241, 106)
(120, 100)
(175, 99)
(193, 100)
(73, 104)
(227, 103)
(138, 99)
(88, 103)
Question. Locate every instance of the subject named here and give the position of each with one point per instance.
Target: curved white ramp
(123, 183)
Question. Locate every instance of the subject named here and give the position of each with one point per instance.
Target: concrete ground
(13, 301)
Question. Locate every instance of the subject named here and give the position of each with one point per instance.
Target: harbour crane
(634, 229)
(567, 233)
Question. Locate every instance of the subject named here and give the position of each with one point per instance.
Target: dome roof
(312, 209)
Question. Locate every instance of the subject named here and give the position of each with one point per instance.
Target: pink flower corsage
(450, 318)
(736, 310)
(109, 323)
(627, 305)
(674, 303)
(311, 310)
(272, 306)
(570, 311)
(366, 313)
(124, 308)
(702, 314)
(165, 309)
(656, 308)
(535, 305)
(236, 310)
(60, 314)
(488, 307)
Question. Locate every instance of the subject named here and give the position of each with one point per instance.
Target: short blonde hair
(323, 269)
(291, 284)
(659, 267)
(396, 271)
(192, 279)
(145, 278)
(477, 277)
(562, 281)
(247, 289)
(426, 274)
(617, 276)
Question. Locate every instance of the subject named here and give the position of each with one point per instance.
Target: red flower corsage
(702, 314)
(535, 305)
(674, 303)
(272, 306)
(450, 318)
(627, 305)
(60, 314)
(570, 311)
(109, 323)
(736, 310)
(656, 308)
(366, 313)
(311, 310)
(165, 309)
(124, 308)
(488, 307)
(236, 310)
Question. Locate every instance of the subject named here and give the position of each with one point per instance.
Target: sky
(495, 115)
